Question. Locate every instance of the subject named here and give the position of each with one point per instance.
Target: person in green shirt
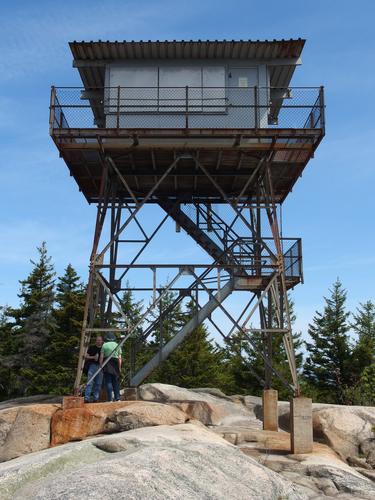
(112, 369)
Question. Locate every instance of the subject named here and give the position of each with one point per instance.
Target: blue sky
(331, 207)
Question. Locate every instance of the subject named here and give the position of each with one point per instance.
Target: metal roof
(91, 57)
(215, 49)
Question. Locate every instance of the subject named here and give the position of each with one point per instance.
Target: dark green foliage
(362, 365)
(39, 340)
(133, 357)
(33, 324)
(363, 354)
(327, 366)
(39, 343)
(61, 357)
(9, 358)
(197, 362)
(246, 364)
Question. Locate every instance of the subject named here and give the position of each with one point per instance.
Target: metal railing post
(118, 106)
(300, 264)
(52, 109)
(321, 103)
(61, 120)
(187, 107)
(256, 110)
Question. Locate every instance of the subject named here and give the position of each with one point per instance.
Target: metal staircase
(205, 226)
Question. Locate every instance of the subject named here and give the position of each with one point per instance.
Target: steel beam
(185, 331)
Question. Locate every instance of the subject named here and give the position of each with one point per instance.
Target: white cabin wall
(156, 73)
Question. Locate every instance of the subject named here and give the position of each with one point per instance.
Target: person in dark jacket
(92, 366)
(112, 369)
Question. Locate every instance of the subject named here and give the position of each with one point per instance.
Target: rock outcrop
(204, 406)
(348, 430)
(201, 466)
(93, 419)
(25, 429)
(201, 444)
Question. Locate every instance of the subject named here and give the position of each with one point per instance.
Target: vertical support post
(257, 246)
(91, 299)
(132, 355)
(52, 110)
(270, 413)
(322, 110)
(118, 106)
(209, 218)
(256, 110)
(154, 284)
(311, 119)
(160, 332)
(187, 107)
(301, 430)
(269, 339)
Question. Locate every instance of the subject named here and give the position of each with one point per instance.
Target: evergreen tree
(172, 320)
(362, 364)
(9, 358)
(247, 364)
(244, 377)
(366, 387)
(363, 354)
(58, 363)
(197, 362)
(33, 322)
(133, 352)
(327, 367)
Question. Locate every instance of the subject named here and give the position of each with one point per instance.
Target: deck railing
(262, 264)
(187, 107)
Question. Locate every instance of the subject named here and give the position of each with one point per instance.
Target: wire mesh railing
(187, 107)
(293, 260)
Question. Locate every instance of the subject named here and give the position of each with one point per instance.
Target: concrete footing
(301, 430)
(130, 394)
(270, 413)
(72, 402)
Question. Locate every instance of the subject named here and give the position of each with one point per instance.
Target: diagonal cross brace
(186, 330)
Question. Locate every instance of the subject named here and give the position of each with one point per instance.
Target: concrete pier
(72, 402)
(270, 413)
(301, 430)
(130, 394)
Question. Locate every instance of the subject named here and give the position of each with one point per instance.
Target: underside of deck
(230, 156)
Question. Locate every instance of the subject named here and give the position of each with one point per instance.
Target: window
(167, 89)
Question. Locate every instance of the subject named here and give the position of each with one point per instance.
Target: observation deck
(229, 129)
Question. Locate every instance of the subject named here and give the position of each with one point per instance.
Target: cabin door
(241, 83)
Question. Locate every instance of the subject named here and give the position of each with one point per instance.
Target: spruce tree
(327, 367)
(172, 320)
(197, 362)
(362, 365)
(363, 354)
(133, 352)
(34, 321)
(247, 364)
(9, 359)
(59, 362)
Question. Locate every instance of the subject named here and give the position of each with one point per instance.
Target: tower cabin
(229, 100)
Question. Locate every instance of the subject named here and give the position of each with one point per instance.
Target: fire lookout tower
(211, 135)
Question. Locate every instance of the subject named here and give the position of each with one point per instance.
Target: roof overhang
(282, 56)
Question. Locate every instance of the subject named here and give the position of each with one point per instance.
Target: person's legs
(89, 386)
(116, 387)
(98, 381)
(108, 385)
